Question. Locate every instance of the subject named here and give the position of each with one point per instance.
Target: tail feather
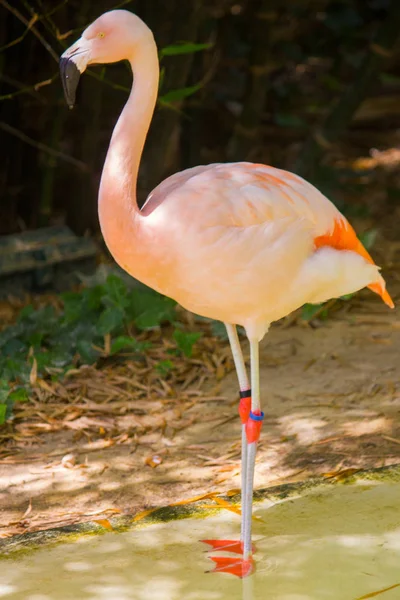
(343, 237)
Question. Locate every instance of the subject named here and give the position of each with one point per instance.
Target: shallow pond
(339, 542)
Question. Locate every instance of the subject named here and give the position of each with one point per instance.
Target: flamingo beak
(72, 64)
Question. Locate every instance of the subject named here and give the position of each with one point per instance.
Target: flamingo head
(113, 37)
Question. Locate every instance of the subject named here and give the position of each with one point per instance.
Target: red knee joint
(245, 405)
(253, 426)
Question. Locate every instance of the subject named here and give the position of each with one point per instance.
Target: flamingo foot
(235, 566)
(234, 546)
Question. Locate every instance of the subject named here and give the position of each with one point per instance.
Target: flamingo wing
(244, 222)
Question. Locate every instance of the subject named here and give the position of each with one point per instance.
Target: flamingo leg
(245, 394)
(253, 428)
(251, 416)
(243, 462)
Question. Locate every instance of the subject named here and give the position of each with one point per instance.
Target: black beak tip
(70, 75)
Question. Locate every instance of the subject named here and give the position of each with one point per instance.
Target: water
(338, 543)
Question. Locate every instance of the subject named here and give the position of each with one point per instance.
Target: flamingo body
(247, 244)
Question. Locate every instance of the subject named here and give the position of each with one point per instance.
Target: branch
(35, 18)
(21, 37)
(45, 17)
(30, 25)
(343, 111)
(26, 90)
(43, 148)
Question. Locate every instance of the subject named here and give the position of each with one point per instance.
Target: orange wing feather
(343, 237)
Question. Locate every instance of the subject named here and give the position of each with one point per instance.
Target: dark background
(308, 85)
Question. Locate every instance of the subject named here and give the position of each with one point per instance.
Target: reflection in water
(234, 565)
(338, 543)
(247, 588)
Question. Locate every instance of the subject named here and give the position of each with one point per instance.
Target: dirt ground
(331, 395)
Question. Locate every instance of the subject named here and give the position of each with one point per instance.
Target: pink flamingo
(242, 243)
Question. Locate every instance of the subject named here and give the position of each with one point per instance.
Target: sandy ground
(331, 396)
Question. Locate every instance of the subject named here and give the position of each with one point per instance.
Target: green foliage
(180, 94)
(183, 48)
(289, 120)
(4, 393)
(123, 342)
(309, 311)
(46, 342)
(179, 48)
(185, 340)
(3, 412)
(164, 367)
(368, 238)
(219, 330)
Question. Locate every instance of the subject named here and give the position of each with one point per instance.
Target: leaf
(179, 94)
(40, 361)
(34, 372)
(18, 395)
(340, 475)
(331, 82)
(164, 367)
(288, 120)
(153, 461)
(148, 309)
(11, 333)
(13, 369)
(72, 306)
(34, 339)
(161, 79)
(186, 340)
(143, 514)
(124, 341)
(88, 354)
(368, 238)
(4, 391)
(93, 296)
(309, 310)
(44, 319)
(184, 48)
(104, 523)
(3, 411)
(15, 346)
(116, 291)
(25, 313)
(205, 496)
(219, 330)
(390, 79)
(110, 320)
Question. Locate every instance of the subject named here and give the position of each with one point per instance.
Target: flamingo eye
(101, 34)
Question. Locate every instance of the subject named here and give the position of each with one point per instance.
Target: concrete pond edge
(18, 545)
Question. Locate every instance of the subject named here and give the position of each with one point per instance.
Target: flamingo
(242, 243)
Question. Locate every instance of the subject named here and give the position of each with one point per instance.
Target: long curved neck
(118, 210)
